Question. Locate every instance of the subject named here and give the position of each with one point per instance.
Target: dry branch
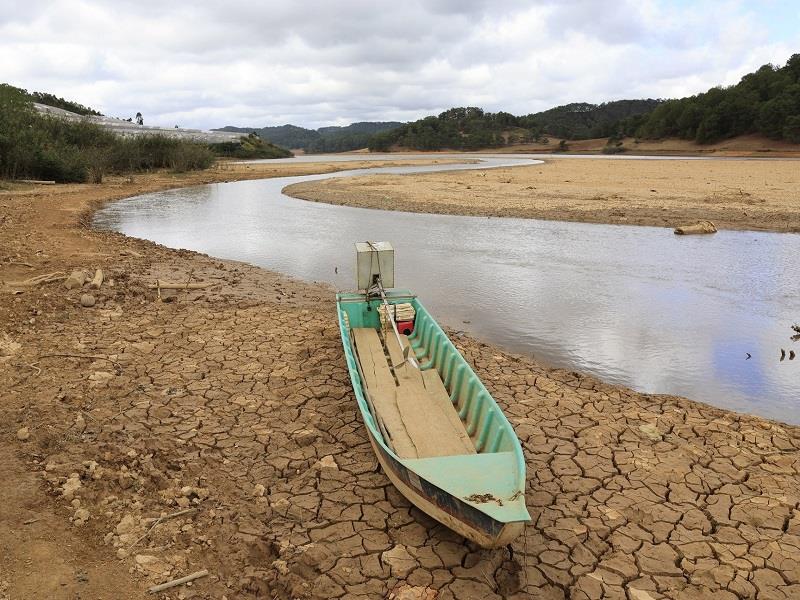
(177, 582)
(171, 285)
(40, 279)
(159, 520)
(85, 356)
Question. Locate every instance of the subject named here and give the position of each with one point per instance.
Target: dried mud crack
(235, 401)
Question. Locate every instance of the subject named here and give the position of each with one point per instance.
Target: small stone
(81, 516)
(281, 566)
(650, 431)
(326, 462)
(153, 564)
(408, 592)
(126, 525)
(75, 280)
(23, 434)
(259, 490)
(122, 553)
(87, 300)
(71, 486)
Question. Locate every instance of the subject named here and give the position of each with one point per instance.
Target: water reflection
(633, 305)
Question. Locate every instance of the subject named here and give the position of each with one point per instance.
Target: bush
(190, 157)
(250, 147)
(59, 163)
(614, 149)
(44, 147)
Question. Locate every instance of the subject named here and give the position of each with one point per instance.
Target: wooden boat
(439, 435)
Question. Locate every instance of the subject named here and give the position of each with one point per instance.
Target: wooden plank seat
(413, 405)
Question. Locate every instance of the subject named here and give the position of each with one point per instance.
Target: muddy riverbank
(733, 193)
(234, 401)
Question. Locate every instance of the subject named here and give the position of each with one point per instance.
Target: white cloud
(314, 63)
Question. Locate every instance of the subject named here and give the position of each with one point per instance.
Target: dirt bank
(744, 145)
(234, 401)
(735, 194)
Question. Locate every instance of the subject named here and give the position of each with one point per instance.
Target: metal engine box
(374, 258)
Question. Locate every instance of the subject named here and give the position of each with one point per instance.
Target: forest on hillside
(765, 102)
(472, 128)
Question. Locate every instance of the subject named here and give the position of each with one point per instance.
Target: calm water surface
(637, 306)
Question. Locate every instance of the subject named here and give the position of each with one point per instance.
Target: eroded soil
(233, 403)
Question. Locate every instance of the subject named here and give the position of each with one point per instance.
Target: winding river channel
(636, 306)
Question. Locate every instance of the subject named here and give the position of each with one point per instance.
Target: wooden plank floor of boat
(413, 405)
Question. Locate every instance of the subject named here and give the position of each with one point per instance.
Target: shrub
(44, 147)
(190, 157)
(250, 146)
(614, 149)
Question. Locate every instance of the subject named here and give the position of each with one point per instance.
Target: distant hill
(324, 139)
(581, 121)
(766, 102)
(471, 128)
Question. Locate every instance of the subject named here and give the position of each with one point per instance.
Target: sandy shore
(734, 194)
(235, 401)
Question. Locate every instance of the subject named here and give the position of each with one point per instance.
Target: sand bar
(733, 193)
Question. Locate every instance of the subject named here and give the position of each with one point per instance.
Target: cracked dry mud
(236, 402)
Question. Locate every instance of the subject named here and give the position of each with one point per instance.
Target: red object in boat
(405, 327)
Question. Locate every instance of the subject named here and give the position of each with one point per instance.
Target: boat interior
(428, 402)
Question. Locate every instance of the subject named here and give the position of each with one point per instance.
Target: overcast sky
(313, 63)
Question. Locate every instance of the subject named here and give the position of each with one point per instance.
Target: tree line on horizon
(325, 139)
(766, 101)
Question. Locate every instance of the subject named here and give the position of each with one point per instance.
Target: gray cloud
(314, 63)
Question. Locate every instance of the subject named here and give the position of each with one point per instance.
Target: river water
(637, 306)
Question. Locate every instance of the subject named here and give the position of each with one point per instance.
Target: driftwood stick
(86, 356)
(97, 281)
(167, 285)
(33, 366)
(24, 264)
(176, 582)
(46, 278)
(37, 181)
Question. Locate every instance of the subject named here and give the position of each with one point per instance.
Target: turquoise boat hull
(480, 496)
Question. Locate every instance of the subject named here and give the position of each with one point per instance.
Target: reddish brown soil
(235, 401)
